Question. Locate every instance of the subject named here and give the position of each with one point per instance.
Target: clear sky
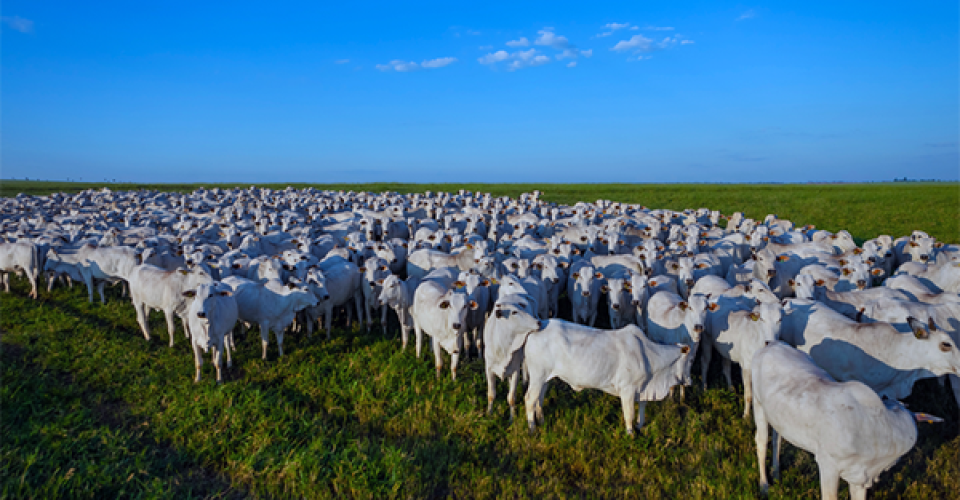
(323, 91)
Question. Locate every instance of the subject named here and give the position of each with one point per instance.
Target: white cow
(513, 317)
(624, 363)
(853, 434)
(271, 305)
(672, 320)
(440, 310)
(152, 287)
(583, 289)
(737, 337)
(20, 257)
(874, 353)
(398, 294)
(212, 316)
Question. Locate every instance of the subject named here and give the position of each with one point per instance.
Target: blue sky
(483, 91)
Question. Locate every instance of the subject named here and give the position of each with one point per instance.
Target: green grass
(90, 409)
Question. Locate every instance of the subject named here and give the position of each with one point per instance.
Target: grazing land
(91, 409)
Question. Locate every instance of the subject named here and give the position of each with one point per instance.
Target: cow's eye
(945, 346)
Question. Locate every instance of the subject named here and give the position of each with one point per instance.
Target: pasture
(91, 409)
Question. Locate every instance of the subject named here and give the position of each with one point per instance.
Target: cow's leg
(705, 357)
(383, 319)
(858, 492)
(491, 389)
(747, 393)
(100, 286)
(279, 335)
(641, 413)
(512, 394)
(531, 403)
(218, 362)
(404, 329)
(419, 333)
(6, 282)
(197, 361)
(142, 318)
(437, 355)
(455, 357)
(760, 438)
(32, 277)
(627, 400)
(264, 337)
(955, 385)
(171, 326)
(228, 346)
(726, 371)
(829, 479)
(328, 318)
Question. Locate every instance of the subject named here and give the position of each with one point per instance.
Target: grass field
(91, 409)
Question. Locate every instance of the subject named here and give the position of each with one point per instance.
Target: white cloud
(606, 33)
(18, 23)
(438, 62)
(686, 42)
(527, 59)
(658, 28)
(495, 57)
(634, 28)
(473, 32)
(550, 39)
(749, 14)
(485, 47)
(616, 26)
(586, 53)
(518, 60)
(572, 64)
(522, 42)
(342, 61)
(636, 43)
(402, 66)
(398, 65)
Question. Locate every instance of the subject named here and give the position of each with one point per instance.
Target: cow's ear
(918, 328)
(685, 349)
(575, 276)
(876, 272)
(754, 316)
(792, 283)
(184, 272)
(445, 304)
(190, 293)
(938, 244)
(683, 306)
(820, 283)
(598, 275)
(785, 257)
(485, 283)
(225, 293)
(361, 269)
(847, 271)
(474, 305)
(931, 325)
(380, 282)
(713, 306)
(604, 289)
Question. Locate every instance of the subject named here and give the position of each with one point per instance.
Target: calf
(672, 320)
(398, 294)
(514, 316)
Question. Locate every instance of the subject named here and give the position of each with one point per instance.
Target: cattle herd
(828, 334)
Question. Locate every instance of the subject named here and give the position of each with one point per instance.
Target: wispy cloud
(18, 23)
(518, 60)
(636, 43)
(658, 28)
(572, 64)
(341, 61)
(639, 45)
(611, 27)
(438, 62)
(485, 47)
(567, 50)
(522, 42)
(749, 14)
(402, 66)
